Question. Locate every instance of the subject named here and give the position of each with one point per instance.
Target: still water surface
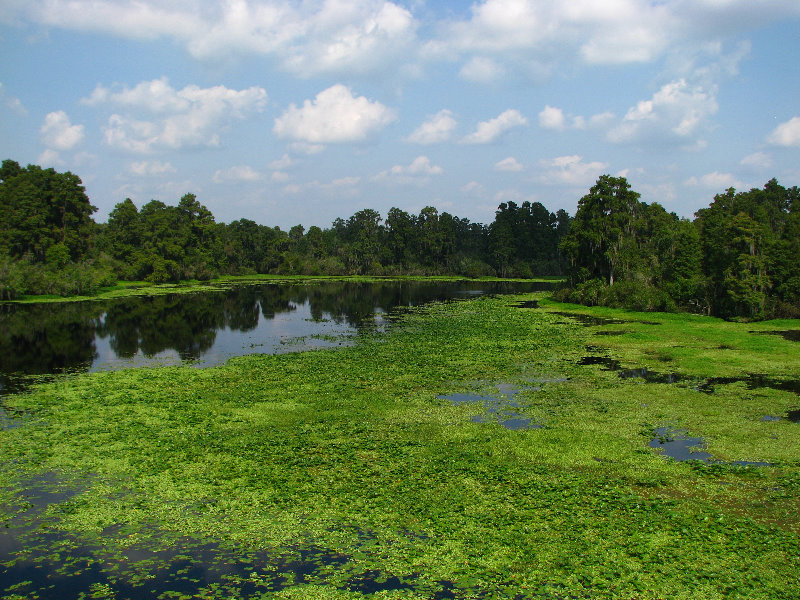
(207, 328)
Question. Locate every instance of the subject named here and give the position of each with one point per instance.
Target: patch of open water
(675, 444)
(502, 407)
(206, 328)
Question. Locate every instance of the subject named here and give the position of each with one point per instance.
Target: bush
(22, 277)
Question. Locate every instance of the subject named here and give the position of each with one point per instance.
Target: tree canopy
(739, 257)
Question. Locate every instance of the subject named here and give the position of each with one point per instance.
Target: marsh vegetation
(387, 468)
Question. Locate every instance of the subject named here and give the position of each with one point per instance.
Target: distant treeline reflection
(52, 338)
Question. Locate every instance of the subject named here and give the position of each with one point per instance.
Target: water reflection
(207, 328)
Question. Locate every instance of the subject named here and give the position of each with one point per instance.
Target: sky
(300, 112)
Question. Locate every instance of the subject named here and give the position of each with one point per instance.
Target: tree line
(49, 244)
(740, 257)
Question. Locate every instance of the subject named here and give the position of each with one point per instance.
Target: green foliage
(751, 250)
(739, 259)
(56, 278)
(40, 208)
(354, 454)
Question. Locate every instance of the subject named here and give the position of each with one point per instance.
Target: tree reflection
(43, 339)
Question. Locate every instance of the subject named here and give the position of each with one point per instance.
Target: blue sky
(302, 112)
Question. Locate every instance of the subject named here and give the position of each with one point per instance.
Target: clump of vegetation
(740, 258)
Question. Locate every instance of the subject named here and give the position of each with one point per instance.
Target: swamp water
(39, 342)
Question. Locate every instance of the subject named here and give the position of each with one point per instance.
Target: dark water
(207, 328)
(675, 444)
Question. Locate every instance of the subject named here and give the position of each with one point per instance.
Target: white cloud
(334, 116)
(786, 134)
(552, 118)
(284, 162)
(473, 187)
(139, 20)
(343, 186)
(190, 117)
(757, 159)
(435, 130)
(508, 164)
(308, 38)
(49, 158)
(419, 172)
(12, 103)
(546, 33)
(279, 177)
(570, 170)
(489, 131)
(482, 70)
(354, 36)
(675, 112)
(379, 36)
(237, 173)
(151, 168)
(58, 133)
(715, 181)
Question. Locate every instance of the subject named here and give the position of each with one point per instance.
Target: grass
(350, 456)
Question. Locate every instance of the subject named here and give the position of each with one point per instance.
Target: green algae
(348, 460)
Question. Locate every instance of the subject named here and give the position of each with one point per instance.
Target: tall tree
(599, 241)
(41, 209)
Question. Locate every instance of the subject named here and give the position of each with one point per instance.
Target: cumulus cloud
(570, 170)
(435, 130)
(757, 159)
(481, 69)
(284, 162)
(174, 119)
(151, 168)
(786, 134)
(308, 38)
(237, 173)
(355, 36)
(715, 181)
(490, 131)
(58, 133)
(552, 118)
(419, 172)
(548, 32)
(508, 164)
(379, 36)
(677, 111)
(334, 116)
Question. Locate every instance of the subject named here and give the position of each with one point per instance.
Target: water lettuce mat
(350, 473)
